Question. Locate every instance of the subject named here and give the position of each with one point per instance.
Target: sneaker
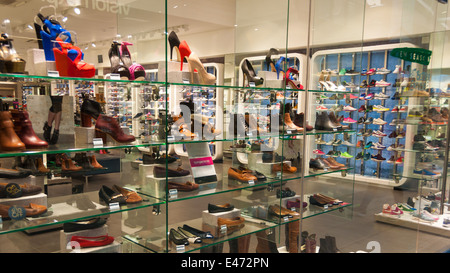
(403, 109)
(342, 71)
(349, 120)
(386, 209)
(318, 152)
(361, 120)
(321, 108)
(397, 70)
(425, 172)
(395, 109)
(369, 96)
(378, 158)
(348, 143)
(359, 143)
(382, 83)
(349, 84)
(368, 121)
(351, 72)
(419, 138)
(381, 96)
(399, 160)
(367, 133)
(337, 142)
(366, 157)
(391, 160)
(364, 84)
(383, 71)
(396, 96)
(362, 108)
(379, 108)
(362, 96)
(378, 133)
(351, 97)
(379, 121)
(359, 156)
(349, 108)
(372, 83)
(346, 155)
(378, 146)
(395, 210)
(368, 145)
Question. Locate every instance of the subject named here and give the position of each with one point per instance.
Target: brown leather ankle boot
(9, 141)
(24, 130)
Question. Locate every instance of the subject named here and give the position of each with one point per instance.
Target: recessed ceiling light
(65, 19)
(29, 26)
(93, 45)
(77, 11)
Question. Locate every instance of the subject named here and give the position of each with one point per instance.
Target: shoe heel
(86, 120)
(102, 135)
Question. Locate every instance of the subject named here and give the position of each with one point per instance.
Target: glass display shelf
(64, 209)
(74, 148)
(223, 185)
(155, 240)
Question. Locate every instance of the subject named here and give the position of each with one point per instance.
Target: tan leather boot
(9, 141)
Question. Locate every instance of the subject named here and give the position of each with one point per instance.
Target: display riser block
(38, 199)
(58, 186)
(255, 162)
(84, 135)
(273, 83)
(211, 218)
(174, 74)
(268, 75)
(66, 236)
(408, 221)
(156, 187)
(36, 63)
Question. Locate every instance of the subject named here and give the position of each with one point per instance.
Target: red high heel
(289, 82)
(68, 67)
(185, 52)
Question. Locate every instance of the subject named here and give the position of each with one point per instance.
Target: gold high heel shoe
(203, 76)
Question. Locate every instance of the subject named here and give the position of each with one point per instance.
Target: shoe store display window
(239, 126)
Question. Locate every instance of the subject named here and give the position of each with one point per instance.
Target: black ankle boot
(55, 137)
(47, 131)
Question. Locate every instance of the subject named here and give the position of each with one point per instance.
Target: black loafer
(199, 233)
(110, 196)
(219, 208)
(177, 238)
(84, 224)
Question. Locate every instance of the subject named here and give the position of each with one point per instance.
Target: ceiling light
(93, 45)
(29, 27)
(65, 19)
(77, 11)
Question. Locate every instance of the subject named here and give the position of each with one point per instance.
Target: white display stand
(211, 218)
(310, 145)
(255, 162)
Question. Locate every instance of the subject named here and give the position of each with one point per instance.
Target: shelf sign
(114, 76)
(98, 141)
(181, 249)
(16, 213)
(52, 73)
(173, 194)
(114, 206)
(223, 229)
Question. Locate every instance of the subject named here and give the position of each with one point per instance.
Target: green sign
(415, 55)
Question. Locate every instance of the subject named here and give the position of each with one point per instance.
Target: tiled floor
(354, 229)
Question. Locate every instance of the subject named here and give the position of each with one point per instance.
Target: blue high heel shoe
(279, 66)
(48, 35)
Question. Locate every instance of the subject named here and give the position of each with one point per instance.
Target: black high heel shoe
(269, 62)
(114, 58)
(249, 74)
(174, 42)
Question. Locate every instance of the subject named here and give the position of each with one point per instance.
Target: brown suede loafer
(241, 176)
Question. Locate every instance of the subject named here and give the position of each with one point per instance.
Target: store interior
(238, 126)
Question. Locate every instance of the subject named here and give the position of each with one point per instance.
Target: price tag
(251, 182)
(97, 141)
(170, 138)
(251, 84)
(114, 206)
(278, 174)
(325, 206)
(52, 73)
(286, 218)
(114, 76)
(223, 229)
(186, 81)
(293, 209)
(289, 132)
(181, 249)
(173, 194)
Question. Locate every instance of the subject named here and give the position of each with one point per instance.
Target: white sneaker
(348, 143)
(379, 121)
(349, 108)
(382, 83)
(397, 70)
(381, 96)
(383, 71)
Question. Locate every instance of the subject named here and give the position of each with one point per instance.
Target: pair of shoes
(69, 61)
(296, 204)
(183, 237)
(84, 224)
(198, 233)
(327, 122)
(195, 65)
(121, 63)
(10, 61)
(118, 195)
(232, 224)
(160, 171)
(259, 176)
(285, 193)
(32, 210)
(92, 241)
(188, 186)
(328, 245)
(285, 167)
(24, 130)
(13, 190)
(9, 140)
(220, 208)
(241, 175)
(282, 212)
